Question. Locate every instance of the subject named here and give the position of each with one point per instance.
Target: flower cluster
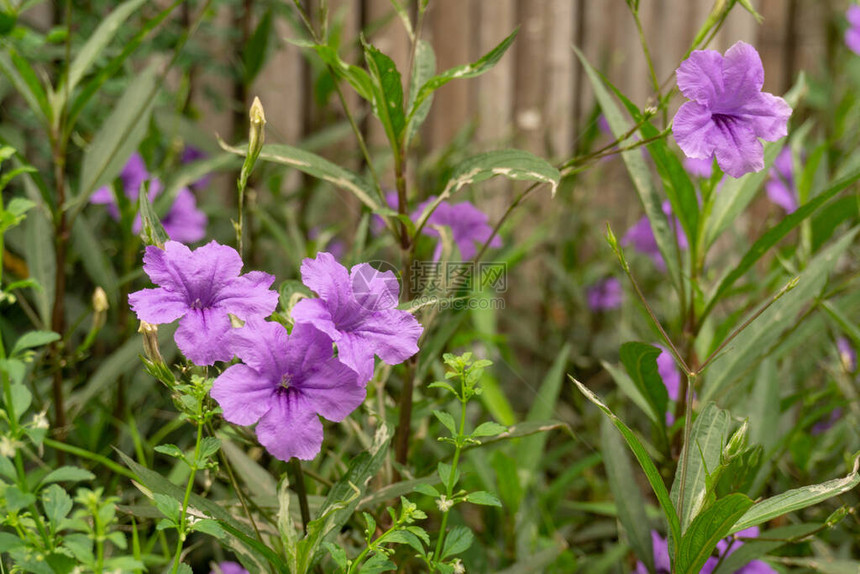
(725, 547)
(727, 112)
(285, 381)
(183, 221)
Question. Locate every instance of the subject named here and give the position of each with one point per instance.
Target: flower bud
(100, 307)
(257, 133)
(737, 443)
(150, 342)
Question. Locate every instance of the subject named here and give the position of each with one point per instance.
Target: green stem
(688, 421)
(188, 487)
(301, 492)
(655, 83)
(449, 488)
(82, 453)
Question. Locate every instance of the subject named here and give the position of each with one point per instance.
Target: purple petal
(160, 264)
(354, 351)
(737, 149)
(243, 394)
(373, 289)
(262, 345)
(332, 389)
(703, 168)
(103, 195)
(781, 195)
(660, 546)
(743, 75)
(229, 568)
(391, 334)
(203, 336)
(604, 295)
(853, 16)
(757, 567)
(693, 128)
(669, 373)
(766, 114)
(133, 174)
(852, 39)
(158, 306)
(291, 428)
(248, 296)
(700, 77)
(328, 279)
(184, 222)
(315, 312)
(847, 354)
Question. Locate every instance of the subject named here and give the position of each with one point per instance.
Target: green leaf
(16, 499)
(254, 50)
(256, 478)
(640, 361)
(797, 499)
(170, 450)
(746, 551)
(208, 446)
(628, 497)
(34, 339)
(484, 64)
(459, 539)
(651, 472)
(25, 80)
(422, 70)
(98, 41)
(708, 436)
(21, 399)
(68, 474)
(639, 173)
(316, 166)
(387, 95)
(751, 344)
(39, 254)
(57, 504)
(776, 234)
(489, 429)
(707, 529)
(530, 450)
(210, 527)
(483, 498)
(425, 488)
(513, 164)
(447, 420)
(168, 506)
(119, 136)
(355, 76)
(444, 471)
(151, 230)
(95, 259)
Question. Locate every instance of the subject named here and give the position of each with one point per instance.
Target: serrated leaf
(57, 504)
(458, 540)
(338, 554)
(208, 446)
(210, 527)
(168, 506)
(483, 498)
(16, 499)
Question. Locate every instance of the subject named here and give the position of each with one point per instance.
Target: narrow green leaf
(708, 436)
(68, 474)
(387, 95)
(707, 529)
(256, 478)
(39, 254)
(316, 166)
(640, 361)
(254, 51)
(651, 472)
(119, 136)
(483, 64)
(95, 258)
(422, 70)
(628, 497)
(98, 41)
(25, 80)
(489, 428)
(639, 173)
(775, 234)
(513, 164)
(447, 420)
(797, 499)
(483, 498)
(151, 230)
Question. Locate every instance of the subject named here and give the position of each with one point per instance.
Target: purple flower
(703, 168)
(825, 425)
(469, 225)
(335, 246)
(604, 295)
(202, 287)
(852, 34)
(641, 236)
(668, 371)
(229, 568)
(847, 354)
(662, 562)
(285, 382)
(183, 222)
(780, 185)
(357, 309)
(728, 112)
(191, 154)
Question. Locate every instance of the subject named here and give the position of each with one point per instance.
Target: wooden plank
(531, 65)
(559, 77)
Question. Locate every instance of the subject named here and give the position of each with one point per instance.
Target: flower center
(286, 379)
(196, 304)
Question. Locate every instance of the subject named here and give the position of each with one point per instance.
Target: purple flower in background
(229, 568)
(191, 154)
(469, 226)
(728, 112)
(662, 562)
(826, 424)
(668, 371)
(202, 288)
(357, 309)
(852, 34)
(847, 354)
(285, 382)
(334, 246)
(780, 185)
(183, 222)
(703, 168)
(604, 295)
(641, 236)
